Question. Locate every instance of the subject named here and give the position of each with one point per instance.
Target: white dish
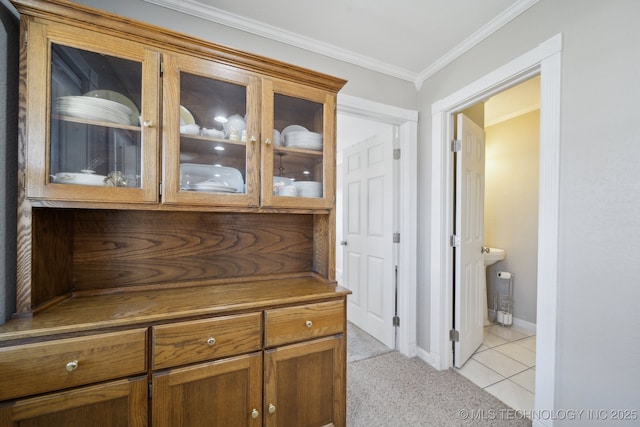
(186, 118)
(198, 177)
(212, 186)
(277, 139)
(309, 188)
(79, 178)
(117, 97)
(190, 129)
(292, 128)
(305, 140)
(280, 182)
(213, 133)
(92, 108)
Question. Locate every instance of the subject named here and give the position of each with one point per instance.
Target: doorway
(502, 362)
(544, 60)
(405, 121)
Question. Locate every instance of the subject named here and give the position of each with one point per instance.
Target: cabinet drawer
(55, 365)
(200, 340)
(292, 324)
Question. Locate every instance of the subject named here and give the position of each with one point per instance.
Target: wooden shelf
(80, 313)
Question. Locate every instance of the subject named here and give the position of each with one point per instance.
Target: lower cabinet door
(226, 392)
(304, 384)
(116, 403)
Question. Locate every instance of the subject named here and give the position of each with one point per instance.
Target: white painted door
(368, 251)
(469, 261)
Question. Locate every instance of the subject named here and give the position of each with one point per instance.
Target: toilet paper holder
(504, 303)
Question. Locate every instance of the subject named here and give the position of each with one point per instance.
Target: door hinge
(454, 241)
(454, 335)
(161, 67)
(150, 389)
(396, 321)
(26, 38)
(160, 188)
(396, 153)
(456, 145)
(396, 237)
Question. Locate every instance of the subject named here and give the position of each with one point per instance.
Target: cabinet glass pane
(95, 132)
(298, 160)
(213, 136)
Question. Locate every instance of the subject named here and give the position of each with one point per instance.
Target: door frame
(407, 123)
(546, 61)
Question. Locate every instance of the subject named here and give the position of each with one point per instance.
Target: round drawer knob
(272, 408)
(72, 366)
(254, 413)
(253, 139)
(211, 341)
(147, 124)
(267, 141)
(308, 323)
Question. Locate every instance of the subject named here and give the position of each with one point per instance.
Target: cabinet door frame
(328, 100)
(173, 65)
(336, 344)
(38, 138)
(162, 404)
(135, 390)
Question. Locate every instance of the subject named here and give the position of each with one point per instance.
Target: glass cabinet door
(210, 138)
(299, 159)
(98, 146)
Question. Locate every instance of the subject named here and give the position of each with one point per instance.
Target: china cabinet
(176, 232)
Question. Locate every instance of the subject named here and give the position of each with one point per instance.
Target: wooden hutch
(176, 235)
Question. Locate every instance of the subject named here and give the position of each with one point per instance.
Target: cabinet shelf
(95, 123)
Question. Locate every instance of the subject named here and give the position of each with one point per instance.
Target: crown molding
(222, 17)
(491, 27)
(195, 8)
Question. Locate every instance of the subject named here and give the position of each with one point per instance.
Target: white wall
(599, 247)
(511, 209)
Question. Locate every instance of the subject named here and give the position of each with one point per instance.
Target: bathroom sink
(492, 256)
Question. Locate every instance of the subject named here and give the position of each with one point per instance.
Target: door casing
(407, 122)
(546, 60)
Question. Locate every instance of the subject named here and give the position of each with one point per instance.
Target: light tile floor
(504, 365)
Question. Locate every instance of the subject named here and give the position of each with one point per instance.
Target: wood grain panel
(116, 248)
(41, 367)
(52, 257)
(220, 393)
(187, 342)
(118, 403)
(292, 324)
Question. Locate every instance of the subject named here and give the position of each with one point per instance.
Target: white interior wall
(511, 210)
(596, 359)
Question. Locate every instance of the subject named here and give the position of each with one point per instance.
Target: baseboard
(518, 323)
(430, 358)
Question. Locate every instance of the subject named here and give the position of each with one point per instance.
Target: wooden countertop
(80, 313)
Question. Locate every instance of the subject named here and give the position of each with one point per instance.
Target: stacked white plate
(309, 188)
(91, 108)
(297, 136)
(305, 140)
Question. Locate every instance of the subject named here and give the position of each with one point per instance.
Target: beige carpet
(387, 389)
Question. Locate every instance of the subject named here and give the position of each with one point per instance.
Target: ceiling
(407, 39)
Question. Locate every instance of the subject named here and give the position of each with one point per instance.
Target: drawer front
(293, 324)
(189, 342)
(55, 365)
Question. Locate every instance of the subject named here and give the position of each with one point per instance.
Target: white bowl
(79, 178)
